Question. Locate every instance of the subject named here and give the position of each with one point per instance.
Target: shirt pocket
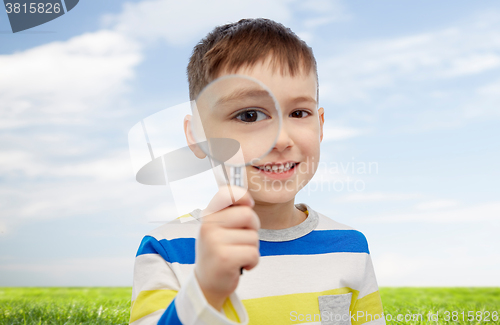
(334, 309)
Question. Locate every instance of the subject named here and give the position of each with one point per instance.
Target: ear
(190, 139)
(321, 114)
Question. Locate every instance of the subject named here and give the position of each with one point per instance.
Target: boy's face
(299, 138)
(298, 141)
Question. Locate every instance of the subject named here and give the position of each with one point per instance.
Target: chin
(273, 196)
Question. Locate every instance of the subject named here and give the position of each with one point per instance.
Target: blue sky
(413, 87)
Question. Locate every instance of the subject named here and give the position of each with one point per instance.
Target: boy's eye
(251, 115)
(299, 113)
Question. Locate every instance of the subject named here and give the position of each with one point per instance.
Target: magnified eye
(301, 114)
(251, 115)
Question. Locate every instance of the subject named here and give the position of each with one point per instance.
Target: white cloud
(63, 199)
(22, 163)
(473, 64)
(53, 165)
(380, 64)
(65, 82)
(182, 22)
(482, 212)
(69, 189)
(328, 11)
(415, 68)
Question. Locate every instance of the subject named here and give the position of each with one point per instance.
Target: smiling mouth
(277, 168)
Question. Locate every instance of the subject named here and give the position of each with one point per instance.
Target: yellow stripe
(230, 311)
(278, 310)
(275, 310)
(371, 306)
(187, 215)
(149, 301)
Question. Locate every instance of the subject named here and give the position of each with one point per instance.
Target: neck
(278, 215)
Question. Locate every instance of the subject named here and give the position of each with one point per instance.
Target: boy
(305, 267)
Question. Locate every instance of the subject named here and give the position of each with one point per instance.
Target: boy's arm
(158, 298)
(368, 306)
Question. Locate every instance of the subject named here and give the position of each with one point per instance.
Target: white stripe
(152, 272)
(290, 274)
(182, 271)
(369, 280)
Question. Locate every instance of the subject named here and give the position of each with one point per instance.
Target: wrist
(215, 300)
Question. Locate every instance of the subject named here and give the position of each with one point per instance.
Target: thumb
(224, 198)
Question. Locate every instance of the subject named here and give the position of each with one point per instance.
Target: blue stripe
(170, 316)
(318, 242)
(147, 246)
(182, 250)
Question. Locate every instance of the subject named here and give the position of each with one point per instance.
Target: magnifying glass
(236, 122)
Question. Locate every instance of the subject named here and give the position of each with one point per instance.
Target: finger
(242, 196)
(240, 237)
(239, 217)
(223, 199)
(244, 256)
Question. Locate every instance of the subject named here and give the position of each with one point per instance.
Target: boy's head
(245, 43)
(273, 54)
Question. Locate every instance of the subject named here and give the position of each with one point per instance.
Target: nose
(284, 140)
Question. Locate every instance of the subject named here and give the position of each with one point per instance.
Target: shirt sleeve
(367, 309)
(159, 298)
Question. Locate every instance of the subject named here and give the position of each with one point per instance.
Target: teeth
(278, 168)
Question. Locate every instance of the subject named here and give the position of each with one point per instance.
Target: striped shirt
(317, 272)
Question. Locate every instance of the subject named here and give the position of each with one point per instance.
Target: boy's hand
(228, 240)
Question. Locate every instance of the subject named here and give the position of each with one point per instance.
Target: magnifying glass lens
(236, 120)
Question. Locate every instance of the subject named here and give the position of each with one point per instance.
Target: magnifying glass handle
(236, 180)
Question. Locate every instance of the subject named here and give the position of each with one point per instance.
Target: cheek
(310, 150)
(308, 142)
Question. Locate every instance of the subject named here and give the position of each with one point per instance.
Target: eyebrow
(258, 93)
(303, 99)
(242, 94)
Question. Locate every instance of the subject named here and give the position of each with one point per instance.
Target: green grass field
(111, 305)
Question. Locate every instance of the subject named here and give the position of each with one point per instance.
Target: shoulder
(327, 223)
(174, 241)
(185, 226)
(342, 233)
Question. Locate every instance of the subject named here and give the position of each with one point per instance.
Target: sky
(411, 92)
